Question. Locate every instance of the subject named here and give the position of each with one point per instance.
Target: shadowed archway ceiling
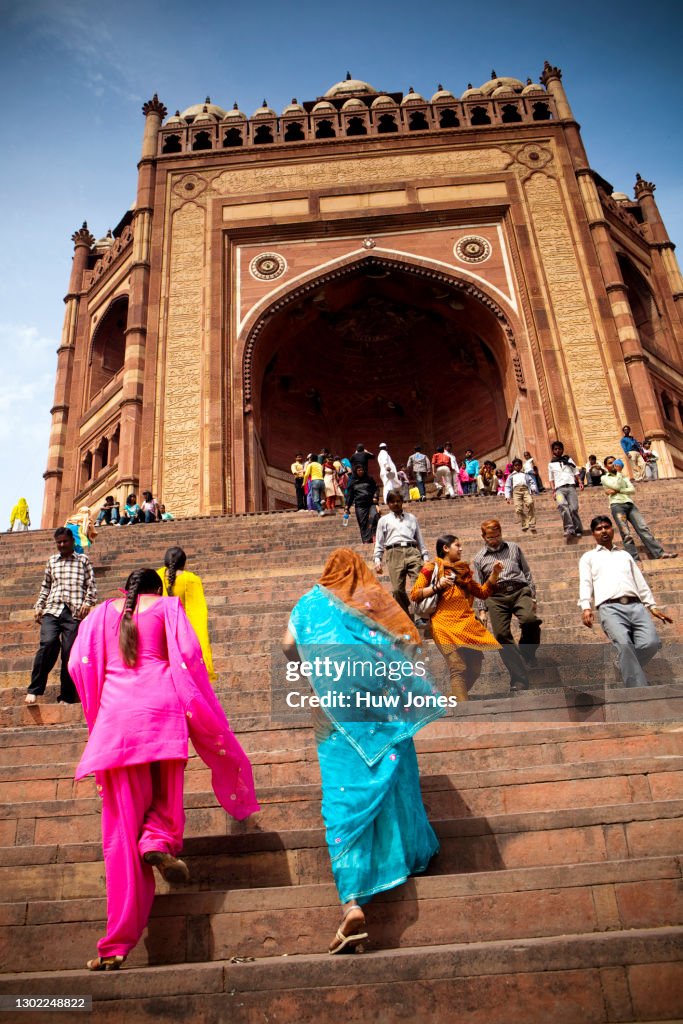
(380, 355)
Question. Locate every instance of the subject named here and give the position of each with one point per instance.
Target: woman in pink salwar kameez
(138, 668)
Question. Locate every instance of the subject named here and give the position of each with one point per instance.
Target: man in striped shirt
(515, 595)
(66, 596)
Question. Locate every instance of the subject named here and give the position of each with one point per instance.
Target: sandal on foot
(105, 963)
(171, 868)
(346, 943)
(30, 698)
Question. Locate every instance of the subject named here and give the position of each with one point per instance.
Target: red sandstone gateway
(395, 236)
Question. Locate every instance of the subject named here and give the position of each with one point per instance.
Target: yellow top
(314, 471)
(188, 587)
(20, 512)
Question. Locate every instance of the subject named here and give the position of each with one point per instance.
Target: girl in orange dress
(457, 631)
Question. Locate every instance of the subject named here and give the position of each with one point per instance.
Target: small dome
(294, 107)
(532, 88)
(235, 114)
(470, 93)
(198, 108)
(174, 119)
(264, 111)
(495, 83)
(324, 106)
(205, 117)
(412, 97)
(620, 197)
(443, 94)
(354, 104)
(104, 243)
(383, 101)
(503, 90)
(351, 87)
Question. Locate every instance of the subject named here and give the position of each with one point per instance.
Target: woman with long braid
(178, 582)
(144, 687)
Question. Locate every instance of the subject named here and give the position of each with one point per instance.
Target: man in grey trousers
(610, 578)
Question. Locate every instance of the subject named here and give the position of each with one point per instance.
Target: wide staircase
(557, 892)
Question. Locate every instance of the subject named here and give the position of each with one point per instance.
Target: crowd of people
(325, 483)
(141, 664)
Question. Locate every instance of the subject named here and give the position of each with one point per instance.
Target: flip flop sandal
(347, 943)
(105, 963)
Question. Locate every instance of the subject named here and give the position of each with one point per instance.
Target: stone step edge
(185, 901)
(320, 971)
(455, 728)
(247, 842)
(477, 779)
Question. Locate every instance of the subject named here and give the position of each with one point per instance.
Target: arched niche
(108, 346)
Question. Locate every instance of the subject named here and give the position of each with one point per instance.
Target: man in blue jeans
(624, 602)
(418, 466)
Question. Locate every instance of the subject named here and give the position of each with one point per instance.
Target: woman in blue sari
(376, 699)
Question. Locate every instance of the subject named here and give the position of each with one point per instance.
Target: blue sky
(73, 76)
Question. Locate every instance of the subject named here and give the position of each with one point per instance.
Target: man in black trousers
(66, 596)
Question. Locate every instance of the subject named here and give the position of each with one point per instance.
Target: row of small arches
(355, 126)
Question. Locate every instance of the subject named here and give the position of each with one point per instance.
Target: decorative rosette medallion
(472, 249)
(267, 266)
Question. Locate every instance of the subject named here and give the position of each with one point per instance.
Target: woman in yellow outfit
(19, 518)
(177, 582)
(457, 631)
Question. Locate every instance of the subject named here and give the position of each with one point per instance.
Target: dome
(205, 117)
(443, 94)
(324, 106)
(294, 107)
(532, 89)
(620, 197)
(197, 109)
(383, 101)
(470, 93)
(503, 90)
(354, 104)
(104, 243)
(412, 97)
(495, 83)
(235, 114)
(351, 87)
(176, 119)
(264, 111)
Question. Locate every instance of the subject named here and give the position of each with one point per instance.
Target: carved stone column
(83, 242)
(136, 328)
(643, 401)
(662, 246)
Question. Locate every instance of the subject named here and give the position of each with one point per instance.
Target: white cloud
(71, 26)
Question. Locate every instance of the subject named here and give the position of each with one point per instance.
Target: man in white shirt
(565, 482)
(387, 471)
(398, 534)
(518, 492)
(610, 577)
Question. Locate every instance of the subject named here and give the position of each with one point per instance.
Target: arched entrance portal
(377, 351)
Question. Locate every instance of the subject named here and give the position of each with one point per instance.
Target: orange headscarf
(350, 579)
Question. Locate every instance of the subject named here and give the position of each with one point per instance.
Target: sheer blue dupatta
(378, 689)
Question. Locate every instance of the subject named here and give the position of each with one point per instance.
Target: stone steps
(529, 902)
(623, 976)
(557, 890)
